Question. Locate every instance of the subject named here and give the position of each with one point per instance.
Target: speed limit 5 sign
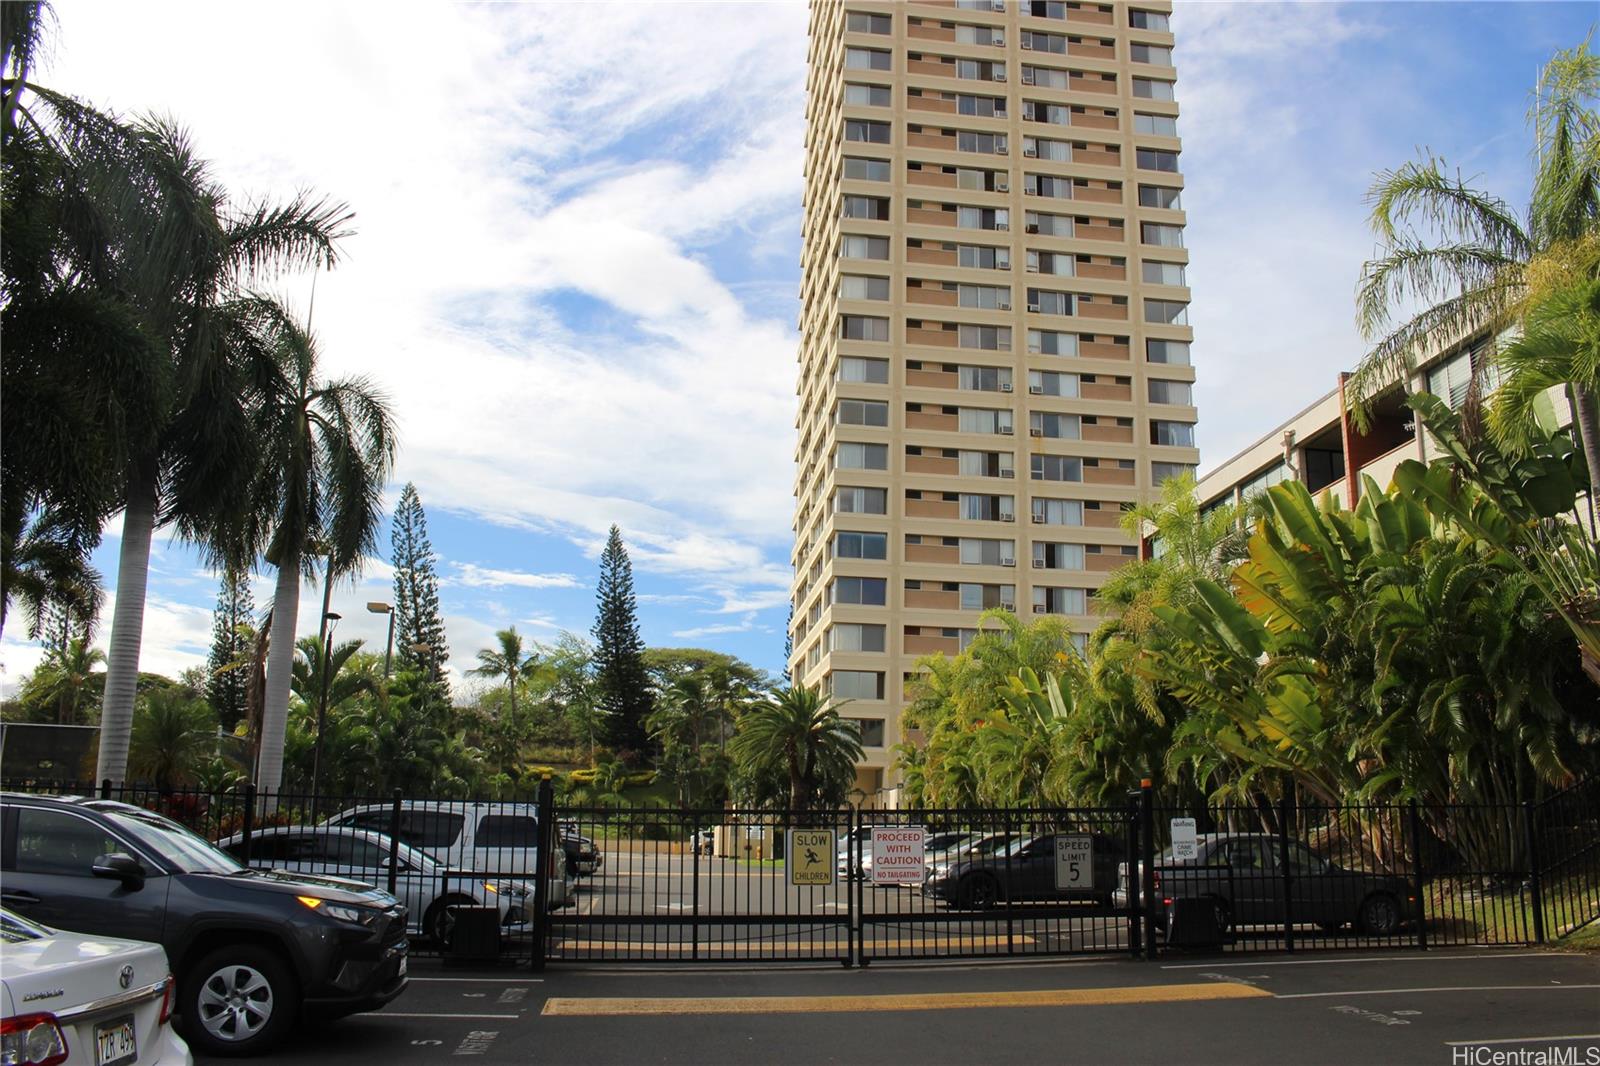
(1074, 861)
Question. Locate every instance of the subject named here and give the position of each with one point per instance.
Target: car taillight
(166, 1001)
(1156, 880)
(32, 1040)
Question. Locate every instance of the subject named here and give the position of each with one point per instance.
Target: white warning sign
(898, 855)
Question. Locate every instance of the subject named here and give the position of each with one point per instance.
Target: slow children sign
(898, 855)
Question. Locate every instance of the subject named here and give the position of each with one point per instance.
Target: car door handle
(19, 898)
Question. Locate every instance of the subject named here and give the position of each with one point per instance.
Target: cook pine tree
(232, 638)
(417, 619)
(622, 686)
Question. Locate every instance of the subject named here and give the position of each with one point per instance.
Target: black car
(1027, 870)
(1241, 876)
(252, 951)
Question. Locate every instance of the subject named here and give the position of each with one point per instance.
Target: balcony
(1091, 50)
(1108, 475)
(1101, 433)
(923, 30)
(1100, 229)
(933, 379)
(1106, 390)
(1104, 348)
(1108, 311)
(1103, 268)
(931, 254)
(1098, 155)
(932, 464)
(1103, 518)
(931, 216)
(927, 640)
(939, 338)
(933, 509)
(934, 420)
(923, 138)
(1099, 192)
(1103, 562)
(942, 554)
(932, 599)
(931, 293)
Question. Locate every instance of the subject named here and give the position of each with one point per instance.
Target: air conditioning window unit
(1033, 268)
(1038, 519)
(1027, 77)
(1005, 386)
(1008, 562)
(1035, 432)
(1008, 473)
(1003, 306)
(999, 75)
(1038, 564)
(1008, 518)
(1002, 186)
(1005, 431)
(1034, 308)
(1032, 227)
(1027, 44)
(1038, 608)
(1036, 390)
(998, 39)
(1008, 607)
(1031, 153)
(999, 149)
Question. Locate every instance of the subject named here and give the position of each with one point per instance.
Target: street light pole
(328, 619)
(388, 647)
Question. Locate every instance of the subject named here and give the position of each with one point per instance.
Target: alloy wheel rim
(235, 1003)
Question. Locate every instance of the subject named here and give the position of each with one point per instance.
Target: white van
(498, 840)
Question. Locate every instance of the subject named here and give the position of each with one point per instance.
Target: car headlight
(510, 888)
(342, 912)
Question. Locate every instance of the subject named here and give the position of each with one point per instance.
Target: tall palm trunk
(280, 672)
(127, 627)
(1586, 417)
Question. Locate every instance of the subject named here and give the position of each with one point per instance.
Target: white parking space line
(1522, 1040)
(1376, 958)
(484, 980)
(1441, 988)
(474, 1017)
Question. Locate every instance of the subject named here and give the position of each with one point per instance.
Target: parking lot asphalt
(1455, 1008)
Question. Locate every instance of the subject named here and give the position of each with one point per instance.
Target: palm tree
(1560, 343)
(345, 677)
(326, 451)
(798, 731)
(508, 663)
(46, 568)
(63, 679)
(174, 737)
(1477, 275)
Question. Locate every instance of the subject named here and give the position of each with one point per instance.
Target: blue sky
(576, 273)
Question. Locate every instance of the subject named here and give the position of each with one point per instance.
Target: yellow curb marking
(1048, 997)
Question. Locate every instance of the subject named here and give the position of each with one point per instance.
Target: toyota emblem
(125, 978)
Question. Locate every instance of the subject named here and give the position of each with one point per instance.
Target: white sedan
(84, 1000)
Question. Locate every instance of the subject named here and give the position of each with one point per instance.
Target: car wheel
(1380, 914)
(238, 1000)
(437, 923)
(1223, 915)
(980, 892)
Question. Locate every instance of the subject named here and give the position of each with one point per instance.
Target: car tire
(238, 1000)
(437, 922)
(1223, 915)
(978, 892)
(1379, 915)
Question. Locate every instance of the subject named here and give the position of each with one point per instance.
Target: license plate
(114, 1043)
(402, 966)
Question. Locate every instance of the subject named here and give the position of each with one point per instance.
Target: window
(1056, 426)
(1159, 125)
(862, 22)
(983, 258)
(1052, 342)
(342, 849)
(1149, 20)
(1049, 225)
(987, 338)
(1160, 196)
(871, 729)
(983, 218)
(983, 420)
(1173, 434)
(863, 328)
(980, 69)
(861, 545)
(1052, 383)
(857, 684)
(985, 297)
(979, 508)
(852, 247)
(1161, 235)
(1163, 273)
(1150, 89)
(1452, 380)
(1060, 264)
(1160, 472)
(1275, 474)
(981, 106)
(1058, 556)
(856, 636)
(865, 59)
(867, 591)
(863, 413)
(857, 500)
(979, 552)
(58, 843)
(1058, 512)
(1157, 159)
(1057, 468)
(1044, 42)
(868, 371)
(966, 34)
(1046, 302)
(1039, 111)
(984, 378)
(987, 143)
(1059, 601)
(429, 829)
(1150, 53)
(854, 456)
(1173, 353)
(1046, 148)
(863, 287)
(984, 464)
(863, 169)
(858, 129)
(975, 597)
(1166, 312)
(867, 95)
(1047, 186)
(875, 208)
(1162, 391)
(975, 180)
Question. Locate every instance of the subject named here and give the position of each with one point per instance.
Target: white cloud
(474, 576)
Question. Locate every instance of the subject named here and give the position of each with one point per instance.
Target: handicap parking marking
(476, 1042)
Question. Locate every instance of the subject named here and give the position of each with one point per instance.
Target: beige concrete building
(994, 354)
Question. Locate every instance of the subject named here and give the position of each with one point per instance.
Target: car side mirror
(120, 866)
(400, 866)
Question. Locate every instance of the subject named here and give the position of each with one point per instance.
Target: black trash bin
(474, 934)
(1194, 922)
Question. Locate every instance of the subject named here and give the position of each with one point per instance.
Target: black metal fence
(849, 886)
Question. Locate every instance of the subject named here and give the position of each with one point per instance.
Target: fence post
(1130, 888)
(248, 829)
(1285, 814)
(1530, 839)
(1147, 877)
(694, 857)
(541, 887)
(1416, 874)
(394, 840)
(105, 789)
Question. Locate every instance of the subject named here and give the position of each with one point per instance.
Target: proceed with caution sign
(810, 856)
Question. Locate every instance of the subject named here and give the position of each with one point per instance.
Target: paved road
(1394, 1008)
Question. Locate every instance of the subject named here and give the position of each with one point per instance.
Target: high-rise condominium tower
(994, 353)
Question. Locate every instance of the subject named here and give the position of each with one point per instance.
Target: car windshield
(1016, 846)
(14, 929)
(176, 845)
